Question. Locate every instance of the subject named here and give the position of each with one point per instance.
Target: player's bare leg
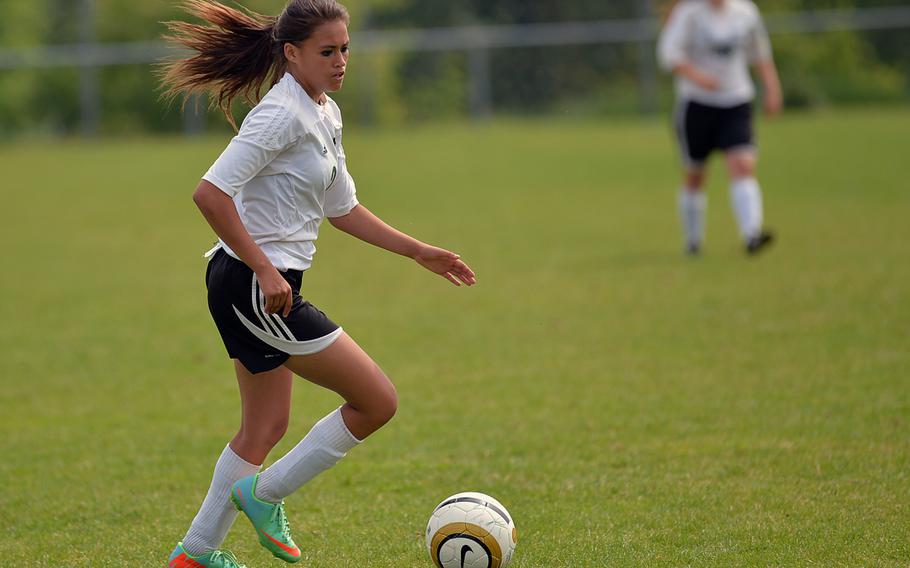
(346, 369)
(265, 400)
(371, 401)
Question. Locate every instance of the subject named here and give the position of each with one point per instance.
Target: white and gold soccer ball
(471, 530)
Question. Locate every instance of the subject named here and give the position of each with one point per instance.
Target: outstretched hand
(446, 264)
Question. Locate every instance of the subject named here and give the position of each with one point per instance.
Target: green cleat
(180, 558)
(268, 519)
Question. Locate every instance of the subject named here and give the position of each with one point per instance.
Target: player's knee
(276, 431)
(385, 405)
(742, 166)
(695, 179)
(269, 434)
(744, 170)
(391, 405)
(383, 402)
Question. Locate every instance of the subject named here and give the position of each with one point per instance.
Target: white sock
(692, 206)
(745, 195)
(217, 513)
(320, 449)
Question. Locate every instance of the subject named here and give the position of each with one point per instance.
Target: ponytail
(235, 55)
(238, 52)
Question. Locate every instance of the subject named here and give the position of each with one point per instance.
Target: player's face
(319, 62)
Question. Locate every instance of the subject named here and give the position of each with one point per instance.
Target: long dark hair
(237, 52)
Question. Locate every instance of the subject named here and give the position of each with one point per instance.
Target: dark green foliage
(390, 88)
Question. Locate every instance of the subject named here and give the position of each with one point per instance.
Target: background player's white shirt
(286, 172)
(721, 43)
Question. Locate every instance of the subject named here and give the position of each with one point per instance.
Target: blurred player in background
(265, 197)
(709, 45)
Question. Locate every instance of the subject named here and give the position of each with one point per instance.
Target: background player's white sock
(692, 205)
(745, 196)
(323, 446)
(217, 512)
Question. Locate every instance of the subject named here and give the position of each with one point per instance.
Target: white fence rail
(466, 38)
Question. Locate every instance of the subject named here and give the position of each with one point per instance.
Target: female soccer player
(265, 197)
(708, 45)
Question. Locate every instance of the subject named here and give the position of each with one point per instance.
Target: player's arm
(761, 54)
(672, 53)
(774, 99)
(361, 223)
(696, 75)
(261, 139)
(221, 213)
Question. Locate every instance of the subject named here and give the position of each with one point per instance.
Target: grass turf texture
(630, 406)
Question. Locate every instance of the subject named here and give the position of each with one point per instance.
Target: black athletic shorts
(701, 129)
(262, 341)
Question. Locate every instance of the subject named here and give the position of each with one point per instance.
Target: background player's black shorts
(262, 341)
(701, 129)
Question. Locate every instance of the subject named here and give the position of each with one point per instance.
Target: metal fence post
(194, 112)
(369, 89)
(647, 70)
(89, 95)
(480, 94)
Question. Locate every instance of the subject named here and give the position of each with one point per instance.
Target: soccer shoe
(693, 249)
(180, 558)
(268, 519)
(758, 242)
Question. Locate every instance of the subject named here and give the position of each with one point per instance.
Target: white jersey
(286, 172)
(720, 42)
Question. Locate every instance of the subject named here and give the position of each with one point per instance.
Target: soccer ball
(471, 530)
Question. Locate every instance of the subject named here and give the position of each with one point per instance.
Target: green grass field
(630, 406)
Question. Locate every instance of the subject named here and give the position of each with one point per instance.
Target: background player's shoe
(693, 249)
(180, 558)
(759, 241)
(268, 519)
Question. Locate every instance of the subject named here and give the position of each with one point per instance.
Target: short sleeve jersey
(721, 42)
(286, 172)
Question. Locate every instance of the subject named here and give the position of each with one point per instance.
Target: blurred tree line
(816, 69)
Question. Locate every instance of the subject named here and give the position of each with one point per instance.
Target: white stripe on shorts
(256, 300)
(272, 323)
(287, 346)
(284, 327)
